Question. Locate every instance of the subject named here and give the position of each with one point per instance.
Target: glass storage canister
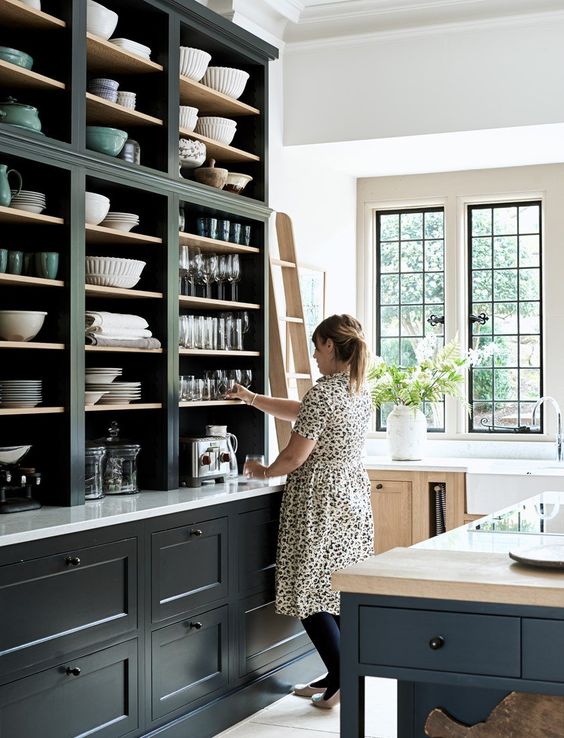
(120, 472)
(94, 471)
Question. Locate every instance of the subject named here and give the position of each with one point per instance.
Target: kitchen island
(455, 621)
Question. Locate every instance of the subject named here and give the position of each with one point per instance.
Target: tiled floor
(296, 717)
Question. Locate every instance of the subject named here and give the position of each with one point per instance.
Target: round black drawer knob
(72, 561)
(196, 625)
(379, 486)
(73, 670)
(196, 532)
(436, 643)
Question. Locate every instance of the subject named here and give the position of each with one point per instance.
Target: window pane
(389, 350)
(434, 288)
(412, 321)
(389, 227)
(434, 224)
(389, 257)
(505, 284)
(389, 289)
(411, 226)
(434, 256)
(389, 321)
(412, 256)
(412, 288)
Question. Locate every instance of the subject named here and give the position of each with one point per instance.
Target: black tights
(324, 632)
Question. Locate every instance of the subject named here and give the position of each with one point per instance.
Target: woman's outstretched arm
(279, 407)
(288, 460)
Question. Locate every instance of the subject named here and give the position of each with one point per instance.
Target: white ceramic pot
(407, 433)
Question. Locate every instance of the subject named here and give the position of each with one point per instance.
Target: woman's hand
(240, 393)
(254, 470)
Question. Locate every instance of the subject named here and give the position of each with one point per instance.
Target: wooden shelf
(30, 410)
(219, 151)
(96, 234)
(95, 290)
(122, 350)
(206, 352)
(211, 102)
(289, 319)
(205, 304)
(13, 215)
(104, 56)
(31, 345)
(284, 264)
(107, 113)
(208, 403)
(23, 281)
(12, 75)
(130, 406)
(15, 14)
(215, 245)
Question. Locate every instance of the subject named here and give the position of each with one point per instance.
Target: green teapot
(18, 114)
(5, 192)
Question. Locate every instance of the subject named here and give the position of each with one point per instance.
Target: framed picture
(312, 285)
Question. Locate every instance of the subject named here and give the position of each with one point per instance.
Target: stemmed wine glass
(246, 377)
(235, 276)
(195, 269)
(209, 272)
(184, 264)
(223, 271)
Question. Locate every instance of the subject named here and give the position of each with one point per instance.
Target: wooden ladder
(293, 320)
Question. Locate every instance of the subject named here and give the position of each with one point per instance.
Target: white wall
(451, 79)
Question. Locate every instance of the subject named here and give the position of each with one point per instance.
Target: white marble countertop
(48, 522)
(544, 467)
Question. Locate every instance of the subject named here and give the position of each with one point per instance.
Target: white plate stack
(118, 393)
(101, 375)
(21, 392)
(32, 202)
(121, 221)
(134, 47)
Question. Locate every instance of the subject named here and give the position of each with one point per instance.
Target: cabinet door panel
(69, 600)
(265, 637)
(392, 511)
(258, 534)
(101, 701)
(189, 660)
(189, 567)
(543, 649)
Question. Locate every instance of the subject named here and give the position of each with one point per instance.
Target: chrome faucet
(556, 406)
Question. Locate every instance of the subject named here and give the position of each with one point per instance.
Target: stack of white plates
(101, 375)
(33, 202)
(133, 46)
(121, 221)
(117, 393)
(21, 392)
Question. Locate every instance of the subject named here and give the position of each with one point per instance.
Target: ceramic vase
(407, 433)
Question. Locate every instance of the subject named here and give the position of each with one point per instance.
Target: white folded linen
(125, 333)
(97, 320)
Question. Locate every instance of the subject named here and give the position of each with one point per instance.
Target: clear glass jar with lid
(120, 471)
(94, 471)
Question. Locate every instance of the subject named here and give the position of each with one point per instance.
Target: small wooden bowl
(211, 175)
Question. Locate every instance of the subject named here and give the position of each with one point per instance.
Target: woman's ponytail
(350, 345)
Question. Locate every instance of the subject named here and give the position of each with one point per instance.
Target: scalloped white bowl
(193, 62)
(188, 117)
(218, 129)
(227, 80)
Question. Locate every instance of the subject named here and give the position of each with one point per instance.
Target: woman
(326, 518)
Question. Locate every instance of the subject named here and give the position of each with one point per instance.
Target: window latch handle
(481, 318)
(436, 319)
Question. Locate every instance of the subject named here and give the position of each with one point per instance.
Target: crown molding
(269, 16)
(524, 20)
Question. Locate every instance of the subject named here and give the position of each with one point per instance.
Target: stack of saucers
(21, 392)
(120, 221)
(104, 87)
(118, 393)
(132, 46)
(32, 202)
(101, 375)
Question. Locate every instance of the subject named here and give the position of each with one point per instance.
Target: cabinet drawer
(66, 601)
(471, 644)
(101, 701)
(189, 661)
(189, 567)
(543, 650)
(265, 637)
(258, 535)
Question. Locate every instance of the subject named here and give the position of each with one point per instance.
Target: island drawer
(457, 642)
(69, 600)
(189, 567)
(543, 650)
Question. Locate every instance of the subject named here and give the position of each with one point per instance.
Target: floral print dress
(326, 517)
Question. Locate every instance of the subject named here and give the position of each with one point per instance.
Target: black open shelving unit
(59, 164)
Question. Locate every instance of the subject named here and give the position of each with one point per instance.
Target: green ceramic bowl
(105, 140)
(19, 58)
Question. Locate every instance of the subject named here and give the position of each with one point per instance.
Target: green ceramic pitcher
(5, 192)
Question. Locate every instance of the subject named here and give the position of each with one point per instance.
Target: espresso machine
(17, 482)
(204, 460)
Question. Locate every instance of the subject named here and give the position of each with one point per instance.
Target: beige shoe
(305, 690)
(318, 701)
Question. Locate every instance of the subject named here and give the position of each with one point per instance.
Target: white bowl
(193, 62)
(219, 129)
(100, 21)
(29, 208)
(229, 81)
(33, 4)
(12, 454)
(119, 225)
(91, 398)
(129, 43)
(188, 117)
(114, 266)
(20, 325)
(236, 182)
(112, 280)
(100, 378)
(96, 207)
